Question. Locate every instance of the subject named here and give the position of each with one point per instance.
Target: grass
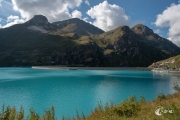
(11, 113)
(130, 109)
(108, 51)
(83, 40)
(175, 64)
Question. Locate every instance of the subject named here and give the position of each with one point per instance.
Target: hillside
(171, 62)
(77, 26)
(33, 43)
(134, 46)
(77, 43)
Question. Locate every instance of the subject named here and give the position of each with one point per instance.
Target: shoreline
(89, 68)
(166, 71)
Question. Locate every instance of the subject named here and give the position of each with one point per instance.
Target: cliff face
(77, 43)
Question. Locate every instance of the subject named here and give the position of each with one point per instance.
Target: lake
(82, 90)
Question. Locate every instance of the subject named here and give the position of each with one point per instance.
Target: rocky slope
(77, 43)
(137, 46)
(77, 26)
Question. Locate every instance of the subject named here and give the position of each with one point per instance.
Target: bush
(161, 96)
(128, 108)
(10, 113)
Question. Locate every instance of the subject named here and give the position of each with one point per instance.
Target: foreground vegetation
(130, 109)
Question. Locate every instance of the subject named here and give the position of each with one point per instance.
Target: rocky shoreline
(166, 71)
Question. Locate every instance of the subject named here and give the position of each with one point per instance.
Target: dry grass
(83, 40)
(175, 64)
(134, 110)
(108, 51)
(169, 102)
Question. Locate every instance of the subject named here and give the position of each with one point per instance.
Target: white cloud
(157, 31)
(87, 2)
(107, 16)
(11, 20)
(54, 11)
(76, 14)
(0, 19)
(0, 3)
(86, 19)
(171, 18)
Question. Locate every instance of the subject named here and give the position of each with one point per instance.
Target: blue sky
(162, 16)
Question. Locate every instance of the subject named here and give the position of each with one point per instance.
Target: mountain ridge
(74, 42)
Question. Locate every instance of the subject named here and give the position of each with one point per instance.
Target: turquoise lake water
(71, 90)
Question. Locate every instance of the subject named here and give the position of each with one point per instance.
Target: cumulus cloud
(85, 19)
(157, 31)
(0, 3)
(76, 14)
(54, 11)
(11, 20)
(171, 18)
(87, 2)
(107, 16)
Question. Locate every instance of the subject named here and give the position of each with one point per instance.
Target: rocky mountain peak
(40, 23)
(124, 28)
(38, 20)
(74, 20)
(142, 29)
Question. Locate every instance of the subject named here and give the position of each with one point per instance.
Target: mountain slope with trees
(77, 43)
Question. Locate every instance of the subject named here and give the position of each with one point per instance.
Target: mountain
(137, 46)
(77, 26)
(33, 43)
(74, 42)
(40, 23)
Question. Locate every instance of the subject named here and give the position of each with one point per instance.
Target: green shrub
(49, 114)
(142, 100)
(161, 97)
(128, 108)
(10, 113)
